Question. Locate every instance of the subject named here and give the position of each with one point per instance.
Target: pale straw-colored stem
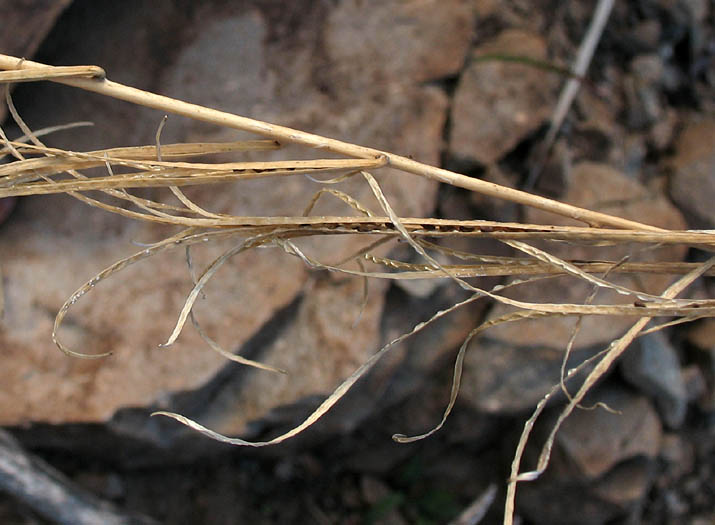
(284, 134)
(568, 94)
(51, 73)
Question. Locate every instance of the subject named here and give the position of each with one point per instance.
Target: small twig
(52, 73)
(50, 494)
(583, 59)
(476, 510)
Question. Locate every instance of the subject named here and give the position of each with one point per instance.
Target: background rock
(500, 377)
(595, 441)
(251, 74)
(702, 337)
(652, 365)
(692, 184)
(498, 102)
(403, 37)
(383, 74)
(602, 462)
(642, 91)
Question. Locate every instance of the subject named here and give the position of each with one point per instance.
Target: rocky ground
(429, 79)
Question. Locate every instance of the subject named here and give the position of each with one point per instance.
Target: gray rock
(418, 288)
(503, 378)
(678, 455)
(642, 88)
(702, 337)
(694, 381)
(652, 365)
(697, 9)
(405, 376)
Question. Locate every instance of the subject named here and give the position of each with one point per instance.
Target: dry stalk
(568, 93)
(288, 135)
(38, 169)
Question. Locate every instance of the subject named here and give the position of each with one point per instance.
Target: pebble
(498, 103)
(692, 184)
(652, 365)
(642, 88)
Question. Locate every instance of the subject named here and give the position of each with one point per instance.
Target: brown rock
(56, 243)
(678, 455)
(499, 102)
(391, 42)
(702, 334)
(128, 315)
(644, 102)
(597, 135)
(627, 484)
(601, 463)
(661, 134)
(537, 345)
(324, 345)
(595, 441)
(530, 16)
(692, 184)
(646, 34)
(485, 8)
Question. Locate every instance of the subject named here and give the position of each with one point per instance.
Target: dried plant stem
(40, 170)
(285, 134)
(568, 94)
(50, 72)
(616, 348)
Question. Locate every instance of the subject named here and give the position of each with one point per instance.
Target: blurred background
(468, 85)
